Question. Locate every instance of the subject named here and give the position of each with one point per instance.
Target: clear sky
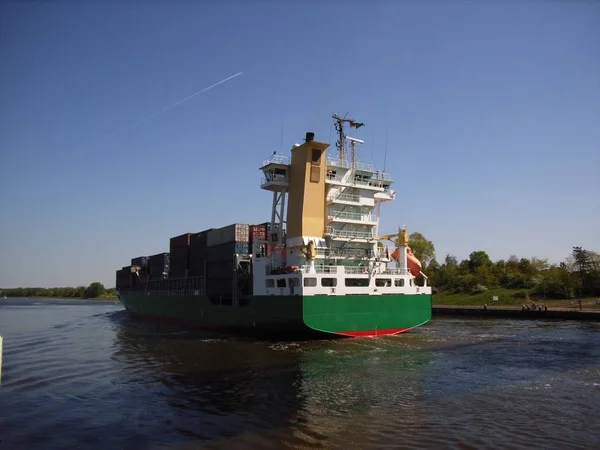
(492, 110)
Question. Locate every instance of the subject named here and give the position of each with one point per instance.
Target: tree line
(577, 276)
(94, 290)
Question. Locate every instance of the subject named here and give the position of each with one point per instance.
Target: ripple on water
(89, 376)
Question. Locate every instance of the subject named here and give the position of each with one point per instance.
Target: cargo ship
(318, 266)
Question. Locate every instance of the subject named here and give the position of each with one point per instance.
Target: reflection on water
(86, 374)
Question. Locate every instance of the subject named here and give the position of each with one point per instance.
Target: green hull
(350, 315)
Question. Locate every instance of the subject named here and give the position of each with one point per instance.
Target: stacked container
(141, 261)
(222, 247)
(139, 280)
(158, 265)
(179, 260)
(198, 253)
(124, 278)
(260, 233)
(236, 232)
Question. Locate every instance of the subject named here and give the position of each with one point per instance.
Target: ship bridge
(276, 171)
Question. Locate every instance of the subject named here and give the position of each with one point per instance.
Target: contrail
(181, 101)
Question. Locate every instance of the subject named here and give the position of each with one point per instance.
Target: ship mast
(341, 142)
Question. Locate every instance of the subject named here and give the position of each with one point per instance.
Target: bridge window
(281, 282)
(399, 282)
(329, 282)
(310, 282)
(270, 282)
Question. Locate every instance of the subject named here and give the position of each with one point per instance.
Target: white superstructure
(347, 257)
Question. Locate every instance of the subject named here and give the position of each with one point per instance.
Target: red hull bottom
(365, 333)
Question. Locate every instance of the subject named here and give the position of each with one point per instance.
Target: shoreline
(515, 312)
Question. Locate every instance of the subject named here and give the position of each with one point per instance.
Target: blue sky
(492, 110)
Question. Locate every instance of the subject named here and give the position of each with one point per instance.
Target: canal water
(83, 374)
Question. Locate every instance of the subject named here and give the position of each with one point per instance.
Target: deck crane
(403, 254)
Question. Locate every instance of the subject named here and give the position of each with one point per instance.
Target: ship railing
(382, 176)
(342, 252)
(356, 269)
(348, 234)
(395, 272)
(277, 159)
(321, 251)
(168, 292)
(332, 177)
(365, 167)
(319, 269)
(370, 183)
(350, 216)
(346, 198)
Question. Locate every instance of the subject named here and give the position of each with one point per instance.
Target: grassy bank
(507, 297)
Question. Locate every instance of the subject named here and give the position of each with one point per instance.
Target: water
(80, 374)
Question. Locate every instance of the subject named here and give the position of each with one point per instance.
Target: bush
(478, 289)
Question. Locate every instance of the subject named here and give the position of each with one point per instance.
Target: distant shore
(540, 312)
(105, 297)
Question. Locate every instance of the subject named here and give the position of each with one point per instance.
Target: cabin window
(399, 282)
(281, 282)
(293, 282)
(411, 282)
(383, 282)
(357, 282)
(329, 282)
(270, 282)
(310, 282)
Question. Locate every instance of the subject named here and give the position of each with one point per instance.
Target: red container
(181, 241)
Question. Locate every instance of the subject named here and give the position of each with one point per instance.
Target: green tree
(422, 248)
(451, 260)
(95, 290)
(477, 259)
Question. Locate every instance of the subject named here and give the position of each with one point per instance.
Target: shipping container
(181, 241)
(124, 278)
(226, 252)
(260, 231)
(179, 256)
(177, 270)
(229, 286)
(237, 232)
(219, 269)
(159, 259)
(141, 261)
(196, 267)
(198, 253)
(198, 250)
(158, 272)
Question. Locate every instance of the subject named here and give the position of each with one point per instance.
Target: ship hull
(350, 315)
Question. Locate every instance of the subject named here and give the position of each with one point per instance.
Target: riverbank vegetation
(516, 280)
(95, 291)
